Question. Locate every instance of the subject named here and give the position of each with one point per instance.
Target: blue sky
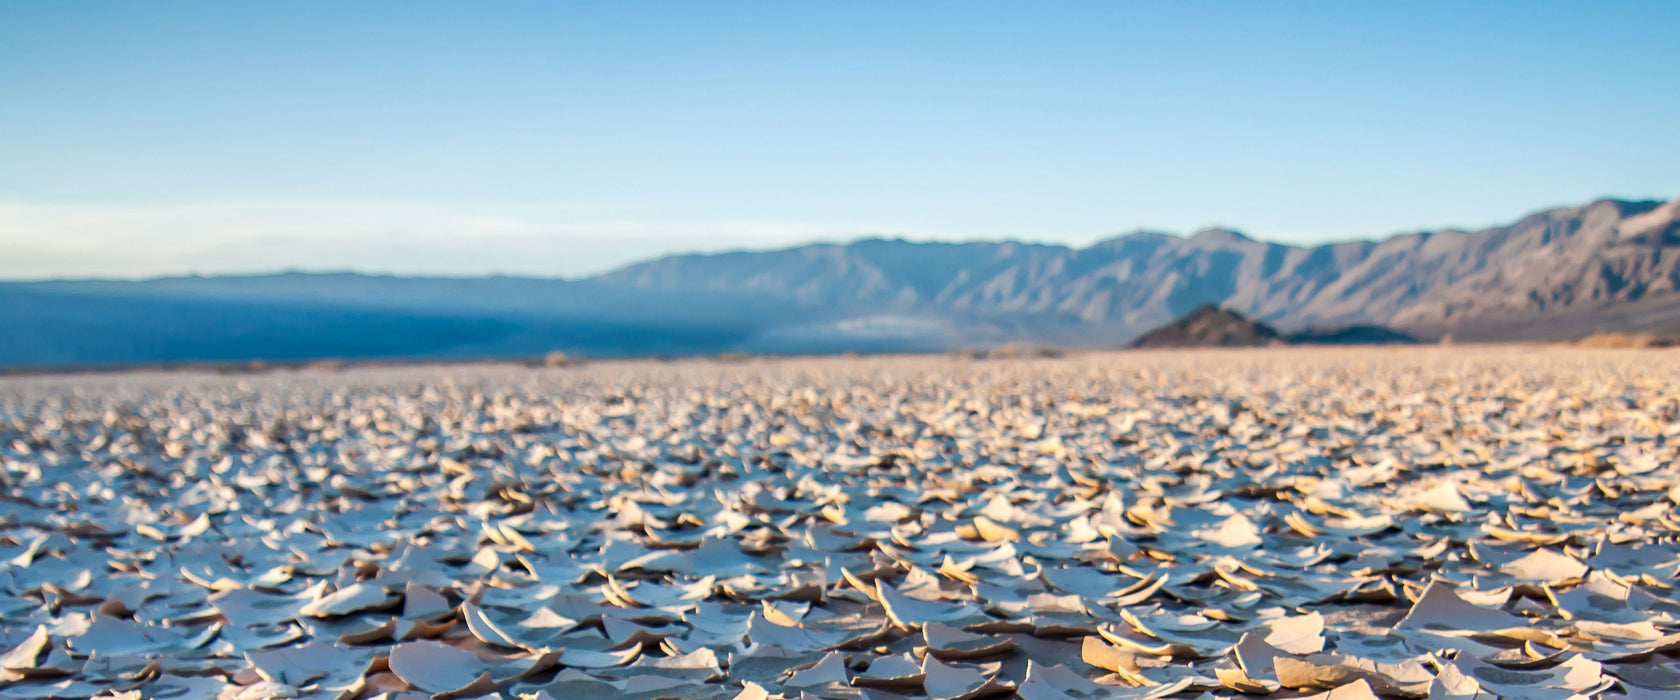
(565, 138)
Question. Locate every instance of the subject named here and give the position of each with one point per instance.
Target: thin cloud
(45, 241)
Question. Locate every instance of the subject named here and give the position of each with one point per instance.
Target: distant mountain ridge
(1611, 265)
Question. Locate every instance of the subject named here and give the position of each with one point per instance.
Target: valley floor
(1407, 522)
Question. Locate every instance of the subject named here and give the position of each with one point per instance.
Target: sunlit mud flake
(1621, 641)
(900, 673)
(57, 663)
(1356, 690)
(1634, 559)
(1352, 527)
(783, 612)
(674, 599)
(830, 669)
(1045, 548)
(697, 666)
(721, 558)
(1055, 616)
(423, 603)
(243, 607)
(1137, 642)
(1441, 609)
(1254, 656)
(437, 668)
(1301, 634)
(504, 534)
(486, 562)
(1161, 632)
(1154, 620)
(1234, 532)
(68, 688)
(624, 633)
(951, 644)
(265, 690)
(220, 578)
(25, 655)
(371, 631)
(659, 561)
(1330, 671)
(235, 639)
(1451, 683)
(984, 528)
(1114, 659)
(1443, 497)
(487, 631)
(1059, 683)
(197, 526)
(1117, 549)
(557, 568)
(922, 584)
(711, 626)
(1544, 539)
(350, 599)
(888, 512)
(910, 613)
(1545, 565)
(1089, 583)
(590, 659)
(1599, 598)
(1240, 681)
(762, 631)
(123, 670)
(1575, 677)
(947, 682)
(568, 683)
(1140, 591)
(331, 666)
(868, 636)
(1650, 675)
(109, 636)
(752, 691)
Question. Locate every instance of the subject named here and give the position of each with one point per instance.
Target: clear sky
(143, 138)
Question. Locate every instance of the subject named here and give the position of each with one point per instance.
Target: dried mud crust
(1399, 523)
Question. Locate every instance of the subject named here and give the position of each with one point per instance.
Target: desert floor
(1458, 522)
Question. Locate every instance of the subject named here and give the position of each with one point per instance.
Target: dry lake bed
(1455, 522)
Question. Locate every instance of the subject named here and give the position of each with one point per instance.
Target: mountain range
(1611, 265)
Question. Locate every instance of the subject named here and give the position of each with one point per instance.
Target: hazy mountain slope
(1552, 263)
(872, 275)
(1417, 280)
(1143, 280)
(1599, 256)
(1107, 292)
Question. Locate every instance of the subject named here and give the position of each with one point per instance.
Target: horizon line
(860, 238)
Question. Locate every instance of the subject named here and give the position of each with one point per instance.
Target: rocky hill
(1210, 326)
